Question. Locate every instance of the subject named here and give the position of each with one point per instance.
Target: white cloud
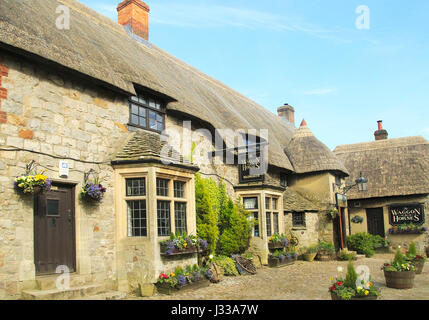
(426, 130)
(321, 91)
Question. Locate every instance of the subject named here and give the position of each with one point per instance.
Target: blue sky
(309, 54)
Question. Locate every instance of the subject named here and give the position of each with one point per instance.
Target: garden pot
(167, 289)
(324, 256)
(419, 266)
(309, 256)
(335, 297)
(177, 252)
(275, 246)
(273, 262)
(399, 279)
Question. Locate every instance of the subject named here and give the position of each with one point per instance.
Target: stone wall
(54, 114)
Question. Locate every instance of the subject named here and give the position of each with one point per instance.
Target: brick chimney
(287, 112)
(380, 134)
(135, 13)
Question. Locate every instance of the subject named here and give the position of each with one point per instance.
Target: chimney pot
(135, 13)
(380, 134)
(287, 112)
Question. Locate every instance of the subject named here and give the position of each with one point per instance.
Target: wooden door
(54, 230)
(339, 228)
(375, 221)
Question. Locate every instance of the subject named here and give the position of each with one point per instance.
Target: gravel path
(301, 281)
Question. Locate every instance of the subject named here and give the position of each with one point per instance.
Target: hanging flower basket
(92, 192)
(32, 182)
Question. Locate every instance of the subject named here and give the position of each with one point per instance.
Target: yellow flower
(187, 274)
(366, 292)
(185, 244)
(172, 274)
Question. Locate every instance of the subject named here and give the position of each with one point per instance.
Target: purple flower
(181, 280)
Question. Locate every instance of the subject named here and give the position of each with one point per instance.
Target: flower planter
(324, 256)
(275, 246)
(309, 256)
(276, 262)
(177, 252)
(399, 279)
(419, 266)
(361, 298)
(427, 252)
(164, 288)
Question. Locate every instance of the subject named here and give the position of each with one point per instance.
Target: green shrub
(345, 255)
(220, 221)
(325, 247)
(227, 265)
(362, 243)
(412, 250)
(351, 276)
(206, 218)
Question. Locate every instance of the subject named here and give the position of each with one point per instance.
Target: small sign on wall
(63, 169)
(406, 213)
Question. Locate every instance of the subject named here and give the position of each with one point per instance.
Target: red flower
(340, 283)
(163, 276)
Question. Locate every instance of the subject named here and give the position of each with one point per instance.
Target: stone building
(79, 89)
(398, 186)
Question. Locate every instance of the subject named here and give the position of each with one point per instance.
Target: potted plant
(92, 191)
(332, 213)
(281, 258)
(278, 241)
(409, 228)
(357, 219)
(325, 251)
(351, 288)
(194, 277)
(32, 182)
(345, 255)
(309, 253)
(399, 273)
(416, 259)
(182, 244)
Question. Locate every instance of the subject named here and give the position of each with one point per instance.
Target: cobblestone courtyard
(301, 281)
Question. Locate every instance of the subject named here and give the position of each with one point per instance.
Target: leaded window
(162, 187)
(179, 189)
(136, 187)
(180, 217)
(147, 112)
(268, 218)
(298, 219)
(137, 219)
(163, 211)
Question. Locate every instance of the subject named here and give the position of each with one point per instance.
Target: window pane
(276, 222)
(160, 126)
(52, 208)
(134, 98)
(137, 223)
(152, 124)
(267, 203)
(142, 122)
(179, 189)
(250, 203)
(256, 226)
(136, 187)
(134, 109)
(142, 100)
(134, 119)
(180, 217)
(163, 218)
(274, 204)
(142, 112)
(162, 187)
(152, 115)
(268, 224)
(298, 219)
(152, 103)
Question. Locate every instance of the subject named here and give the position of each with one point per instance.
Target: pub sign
(406, 213)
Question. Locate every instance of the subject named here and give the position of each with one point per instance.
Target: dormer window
(147, 112)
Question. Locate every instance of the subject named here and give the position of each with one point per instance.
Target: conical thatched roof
(393, 167)
(308, 154)
(100, 48)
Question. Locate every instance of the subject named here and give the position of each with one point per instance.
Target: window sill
(299, 228)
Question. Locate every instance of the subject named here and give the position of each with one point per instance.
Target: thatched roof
(295, 201)
(145, 146)
(393, 167)
(308, 154)
(101, 49)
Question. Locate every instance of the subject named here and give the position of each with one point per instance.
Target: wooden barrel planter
(277, 262)
(165, 288)
(399, 279)
(324, 256)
